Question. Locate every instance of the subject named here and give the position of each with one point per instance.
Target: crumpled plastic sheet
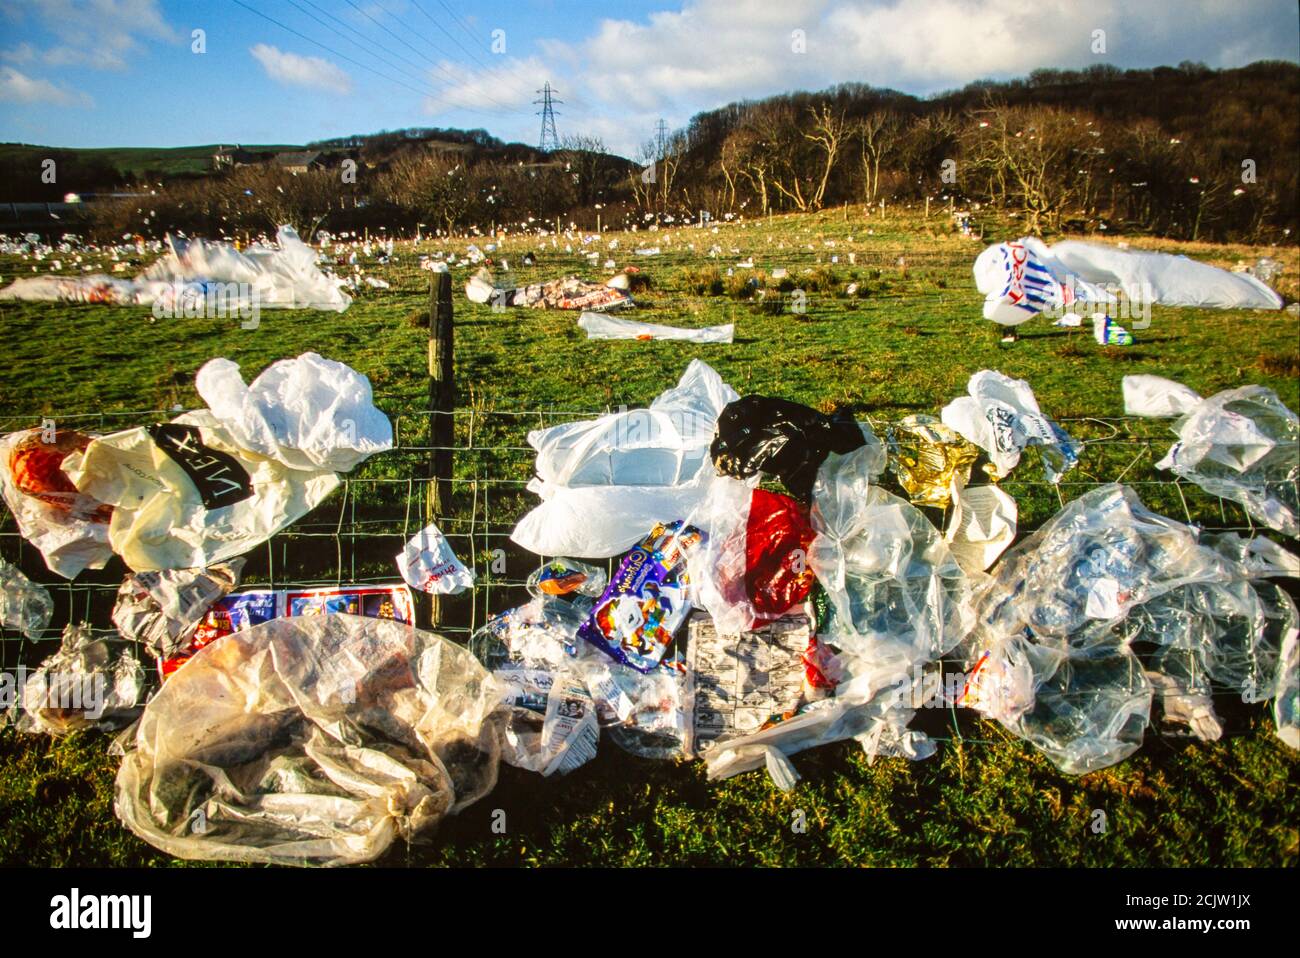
(605, 481)
(1060, 654)
(24, 605)
(89, 683)
(186, 494)
(1001, 416)
(161, 610)
(597, 326)
(316, 740)
(308, 413)
(568, 292)
(759, 435)
(1020, 279)
(286, 276)
(929, 459)
(896, 592)
(1242, 444)
(553, 726)
(68, 528)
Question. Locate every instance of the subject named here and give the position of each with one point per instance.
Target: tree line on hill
(1185, 151)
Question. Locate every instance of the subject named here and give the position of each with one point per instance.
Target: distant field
(134, 161)
(906, 342)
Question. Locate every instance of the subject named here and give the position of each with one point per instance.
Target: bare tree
(878, 134)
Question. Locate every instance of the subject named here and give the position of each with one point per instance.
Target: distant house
(229, 157)
(298, 162)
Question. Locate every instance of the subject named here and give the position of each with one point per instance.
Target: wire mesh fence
(354, 537)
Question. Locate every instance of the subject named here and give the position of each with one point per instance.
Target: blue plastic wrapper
(646, 602)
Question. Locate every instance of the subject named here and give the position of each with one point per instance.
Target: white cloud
(712, 52)
(16, 87)
(312, 72)
(510, 84)
(102, 34)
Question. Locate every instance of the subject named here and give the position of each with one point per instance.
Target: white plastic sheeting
(186, 494)
(598, 326)
(1023, 278)
(308, 413)
(605, 482)
(285, 276)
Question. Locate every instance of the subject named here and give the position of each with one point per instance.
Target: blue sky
(123, 72)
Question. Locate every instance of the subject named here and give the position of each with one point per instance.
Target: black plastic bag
(780, 438)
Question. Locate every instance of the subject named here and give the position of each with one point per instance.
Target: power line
(437, 66)
(547, 113)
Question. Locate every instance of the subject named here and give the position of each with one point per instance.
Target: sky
(181, 72)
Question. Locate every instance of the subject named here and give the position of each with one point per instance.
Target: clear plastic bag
(316, 740)
(89, 683)
(24, 604)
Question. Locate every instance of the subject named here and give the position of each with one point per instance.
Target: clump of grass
(1283, 365)
(704, 281)
(741, 285)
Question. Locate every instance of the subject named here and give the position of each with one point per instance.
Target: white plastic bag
(70, 531)
(1002, 417)
(1146, 395)
(428, 563)
(605, 481)
(315, 740)
(187, 495)
(309, 413)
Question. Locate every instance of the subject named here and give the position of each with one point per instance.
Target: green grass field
(906, 342)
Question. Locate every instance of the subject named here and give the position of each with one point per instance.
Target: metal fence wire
(356, 534)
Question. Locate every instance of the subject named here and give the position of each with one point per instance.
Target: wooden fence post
(442, 403)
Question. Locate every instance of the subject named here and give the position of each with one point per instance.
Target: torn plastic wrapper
(982, 525)
(1242, 444)
(567, 577)
(241, 611)
(186, 495)
(316, 740)
(24, 604)
(760, 435)
(1001, 416)
(608, 327)
(929, 458)
(69, 529)
(308, 413)
(646, 601)
(87, 684)
(161, 610)
(428, 563)
(605, 481)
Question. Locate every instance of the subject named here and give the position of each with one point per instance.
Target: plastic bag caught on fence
(753, 565)
(1001, 416)
(1242, 444)
(897, 593)
(605, 481)
(428, 563)
(761, 435)
(161, 610)
(24, 604)
(69, 529)
(1104, 595)
(929, 459)
(566, 577)
(317, 740)
(187, 495)
(308, 413)
(87, 684)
